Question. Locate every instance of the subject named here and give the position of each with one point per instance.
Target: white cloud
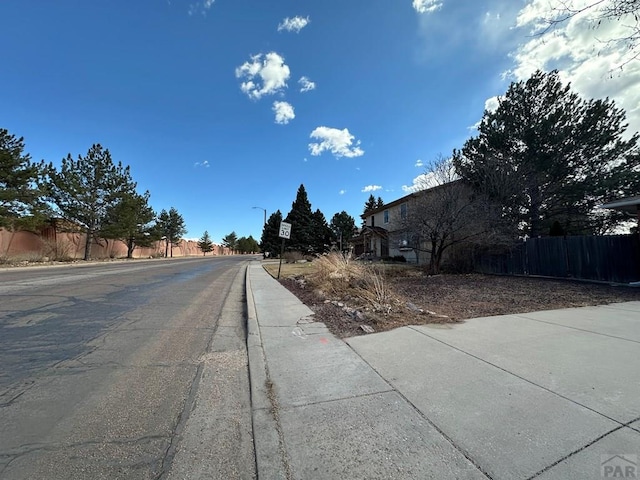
(426, 6)
(496, 27)
(371, 188)
(264, 75)
(306, 85)
(436, 173)
(421, 182)
(342, 192)
(293, 24)
(204, 164)
(201, 7)
(338, 142)
(585, 53)
(284, 112)
(491, 104)
(419, 163)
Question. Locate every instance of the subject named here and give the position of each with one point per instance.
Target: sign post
(285, 233)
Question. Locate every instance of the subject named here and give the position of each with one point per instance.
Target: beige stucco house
(382, 233)
(386, 230)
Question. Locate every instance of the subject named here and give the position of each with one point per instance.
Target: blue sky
(221, 106)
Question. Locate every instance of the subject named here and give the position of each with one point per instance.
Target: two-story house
(389, 231)
(382, 232)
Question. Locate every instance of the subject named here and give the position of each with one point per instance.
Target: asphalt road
(125, 370)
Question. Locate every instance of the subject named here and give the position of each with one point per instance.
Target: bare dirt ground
(421, 299)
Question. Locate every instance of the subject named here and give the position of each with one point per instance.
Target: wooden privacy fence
(609, 258)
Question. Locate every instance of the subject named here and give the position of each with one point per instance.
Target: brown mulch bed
(453, 298)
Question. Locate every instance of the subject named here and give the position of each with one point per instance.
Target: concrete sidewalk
(549, 395)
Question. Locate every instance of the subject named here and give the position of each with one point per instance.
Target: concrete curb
(270, 461)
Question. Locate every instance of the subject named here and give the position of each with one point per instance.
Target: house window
(403, 242)
(386, 216)
(403, 211)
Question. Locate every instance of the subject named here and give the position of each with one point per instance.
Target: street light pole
(264, 225)
(265, 213)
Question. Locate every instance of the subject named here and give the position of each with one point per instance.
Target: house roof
(387, 205)
(406, 198)
(374, 230)
(627, 204)
(379, 230)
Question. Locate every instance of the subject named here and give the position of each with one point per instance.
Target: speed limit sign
(285, 230)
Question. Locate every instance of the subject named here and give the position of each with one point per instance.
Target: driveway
(552, 394)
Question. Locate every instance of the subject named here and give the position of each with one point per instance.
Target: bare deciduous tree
(445, 212)
(625, 12)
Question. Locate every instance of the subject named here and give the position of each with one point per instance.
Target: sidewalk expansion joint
(571, 454)
(576, 328)
(451, 441)
(630, 425)
(340, 399)
(564, 397)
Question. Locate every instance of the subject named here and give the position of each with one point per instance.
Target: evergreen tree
(370, 205)
(231, 242)
(343, 227)
(546, 156)
(85, 189)
(302, 228)
(270, 242)
(322, 234)
(21, 188)
(205, 244)
(171, 228)
(130, 220)
(248, 245)
(253, 245)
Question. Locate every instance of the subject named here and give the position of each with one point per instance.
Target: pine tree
(301, 219)
(546, 155)
(343, 227)
(130, 220)
(247, 245)
(322, 234)
(231, 242)
(21, 188)
(85, 189)
(171, 228)
(370, 205)
(205, 244)
(270, 241)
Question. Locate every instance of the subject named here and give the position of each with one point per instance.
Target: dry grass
(289, 269)
(335, 273)
(335, 276)
(346, 294)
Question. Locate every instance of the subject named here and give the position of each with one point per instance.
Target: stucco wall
(63, 245)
